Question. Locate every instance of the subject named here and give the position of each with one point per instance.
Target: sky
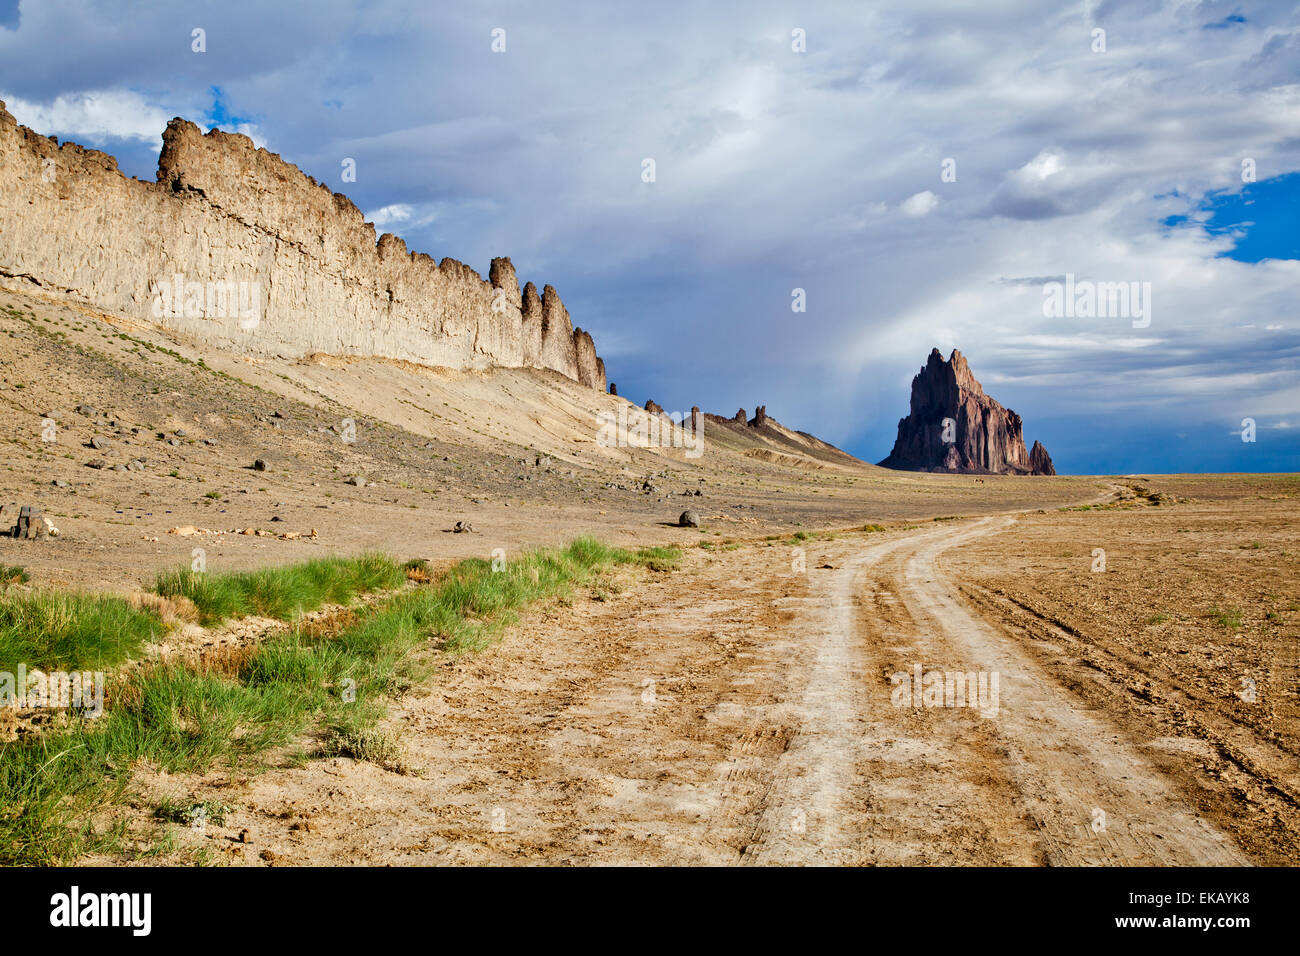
(923, 172)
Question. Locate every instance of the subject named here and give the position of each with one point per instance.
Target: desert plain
(740, 703)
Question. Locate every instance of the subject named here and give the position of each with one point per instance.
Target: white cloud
(921, 204)
(120, 114)
(403, 215)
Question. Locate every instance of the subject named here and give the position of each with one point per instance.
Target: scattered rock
(356, 480)
(259, 465)
(60, 483)
(87, 410)
(689, 519)
(99, 443)
(461, 527)
(30, 523)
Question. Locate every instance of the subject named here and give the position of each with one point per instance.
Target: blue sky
(1167, 154)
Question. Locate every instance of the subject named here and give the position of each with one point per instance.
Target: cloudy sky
(922, 171)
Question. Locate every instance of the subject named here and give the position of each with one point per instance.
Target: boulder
(689, 519)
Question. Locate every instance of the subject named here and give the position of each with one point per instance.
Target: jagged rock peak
(954, 426)
(1040, 462)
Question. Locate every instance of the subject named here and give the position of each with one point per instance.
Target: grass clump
(68, 631)
(1229, 618)
(11, 574)
(366, 744)
(282, 593)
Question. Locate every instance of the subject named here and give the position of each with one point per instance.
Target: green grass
(282, 593)
(12, 574)
(1230, 618)
(327, 687)
(66, 631)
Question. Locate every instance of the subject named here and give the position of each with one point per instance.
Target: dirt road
(742, 711)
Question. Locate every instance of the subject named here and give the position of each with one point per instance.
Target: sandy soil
(741, 710)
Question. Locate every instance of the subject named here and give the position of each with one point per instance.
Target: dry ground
(740, 710)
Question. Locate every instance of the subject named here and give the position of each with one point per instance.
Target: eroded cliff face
(239, 248)
(955, 426)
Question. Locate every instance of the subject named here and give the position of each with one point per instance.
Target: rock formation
(1040, 462)
(242, 250)
(760, 416)
(954, 426)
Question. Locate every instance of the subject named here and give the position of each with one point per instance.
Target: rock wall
(984, 437)
(239, 248)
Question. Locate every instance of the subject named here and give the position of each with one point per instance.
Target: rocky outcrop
(240, 249)
(591, 371)
(954, 426)
(760, 417)
(1040, 462)
(558, 349)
